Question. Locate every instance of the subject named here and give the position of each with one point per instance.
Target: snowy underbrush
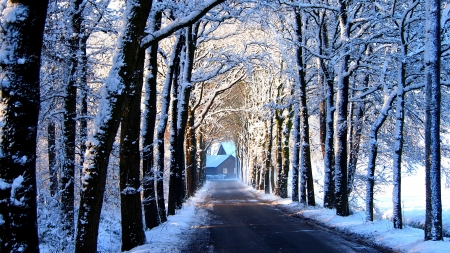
(380, 232)
(416, 219)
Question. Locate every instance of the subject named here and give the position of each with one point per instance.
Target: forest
(112, 105)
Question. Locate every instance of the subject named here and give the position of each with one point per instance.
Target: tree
(433, 216)
(22, 35)
(148, 164)
(130, 195)
(341, 128)
(69, 116)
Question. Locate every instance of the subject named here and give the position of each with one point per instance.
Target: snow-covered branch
(179, 23)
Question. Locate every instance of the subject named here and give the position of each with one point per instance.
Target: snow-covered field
(174, 235)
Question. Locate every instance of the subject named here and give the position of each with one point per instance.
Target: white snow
(3, 184)
(16, 184)
(171, 236)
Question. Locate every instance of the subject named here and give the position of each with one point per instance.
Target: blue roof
(215, 160)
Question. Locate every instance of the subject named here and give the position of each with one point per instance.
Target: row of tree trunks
(117, 88)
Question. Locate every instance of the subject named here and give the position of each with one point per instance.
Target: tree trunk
(433, 216)
(52, 165)
(130, 195)
(171, 78)
(148, 163)
(328, 153)
(306, 179)
(191, 150)
(286, 159)
(116, 90)
(278, 154)
(175, 173)
(373, 152)
(268, 155)
(201, 158)
(22, 35)
(67, 178)
(83, 89)
(341, 193)
(398, 150)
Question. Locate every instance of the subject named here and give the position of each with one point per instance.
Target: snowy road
(241, 223)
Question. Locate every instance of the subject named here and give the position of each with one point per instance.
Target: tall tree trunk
(171, 78)
(433, 216)
(130, 195)
(399, 122)
(373, 152)
(328, 152)
(175, 173)
(328, 192)
(148, 163)
(52, 165)
(116, 90)
(83, 90)
(356, 121)
(201, 156)
(191, 150)
(268, 155)
(283, 181)
(398, 150)
(22, 35)
(278, 151)
(67, 179)
(306, 178)
(340, 177)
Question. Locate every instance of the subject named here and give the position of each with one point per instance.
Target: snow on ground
(174, 235)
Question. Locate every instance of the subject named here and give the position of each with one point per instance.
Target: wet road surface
(241, 223)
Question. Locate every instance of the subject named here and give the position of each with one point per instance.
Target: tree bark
(191, 150)
(341, 190)
(433, 216)
(268, 155)
(130, 194)
(52, 165)
(278, 152)
(67, 178)
(22, 35)
(148, 163)
(306, 179)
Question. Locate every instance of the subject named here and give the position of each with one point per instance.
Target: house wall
(230, 165)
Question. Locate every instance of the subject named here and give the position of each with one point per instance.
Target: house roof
(215, 160)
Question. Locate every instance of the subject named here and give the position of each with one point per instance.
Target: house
(222, 165)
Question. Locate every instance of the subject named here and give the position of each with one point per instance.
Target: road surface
(241, 223)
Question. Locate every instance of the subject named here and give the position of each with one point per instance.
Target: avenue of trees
(113, 104)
